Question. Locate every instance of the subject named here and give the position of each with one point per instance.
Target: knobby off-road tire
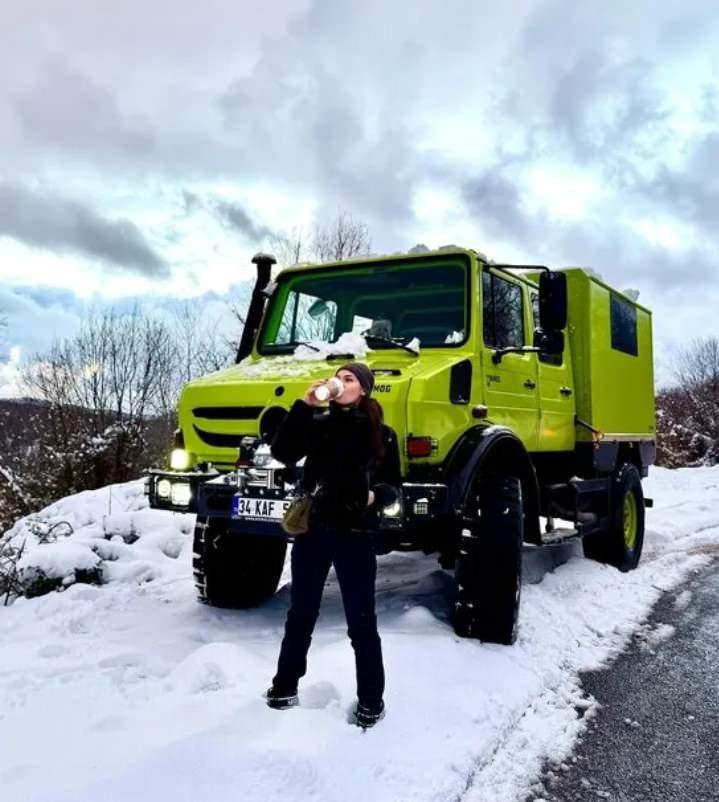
(488, 573)
(621, 546)
(233, 569)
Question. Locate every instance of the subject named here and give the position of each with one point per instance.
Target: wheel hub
(630, 520)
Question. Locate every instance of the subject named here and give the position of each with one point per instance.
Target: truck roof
(388, 257)
(532, 276)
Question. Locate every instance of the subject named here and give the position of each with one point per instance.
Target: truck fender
(495, 448)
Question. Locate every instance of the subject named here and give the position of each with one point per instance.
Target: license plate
(259, 509)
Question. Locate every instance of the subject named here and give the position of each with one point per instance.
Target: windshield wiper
(397, 342)
(301, 342)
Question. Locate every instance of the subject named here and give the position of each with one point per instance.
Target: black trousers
(355, 564)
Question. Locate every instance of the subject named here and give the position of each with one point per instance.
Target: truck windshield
(384, 302)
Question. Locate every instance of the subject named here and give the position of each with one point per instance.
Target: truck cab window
(502, 312)
(534, 296)
(423, 300)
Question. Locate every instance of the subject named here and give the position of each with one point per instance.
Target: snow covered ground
(134, 691)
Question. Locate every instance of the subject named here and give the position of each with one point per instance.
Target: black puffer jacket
(339, 465)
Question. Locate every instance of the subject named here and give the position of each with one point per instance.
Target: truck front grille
(227, 413)
(219, 440)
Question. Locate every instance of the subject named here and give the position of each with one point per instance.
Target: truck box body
(610, 338)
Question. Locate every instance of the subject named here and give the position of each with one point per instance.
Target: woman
(351, 466)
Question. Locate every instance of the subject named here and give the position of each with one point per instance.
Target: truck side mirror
(549, 342)
(552, 301)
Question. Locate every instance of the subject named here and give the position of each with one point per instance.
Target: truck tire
(622, 545)
(488, 573)
(233, 569)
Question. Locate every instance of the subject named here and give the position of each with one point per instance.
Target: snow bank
(133, 690)
(109, 533)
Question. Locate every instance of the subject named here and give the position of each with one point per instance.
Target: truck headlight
(393, 510)
(163, 488)
(180, 459)
(181, 494)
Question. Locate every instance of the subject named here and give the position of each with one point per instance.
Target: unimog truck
(521, 398)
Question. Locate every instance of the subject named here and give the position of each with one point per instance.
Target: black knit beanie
(364, 375)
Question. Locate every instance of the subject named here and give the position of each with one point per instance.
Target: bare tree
(103, 390)
(688, 411)
(116, 367)
(202, 346)
(343, 238)
(289, 248)
(698, 366)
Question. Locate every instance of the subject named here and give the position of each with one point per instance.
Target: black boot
(281, 698)
(368, 715)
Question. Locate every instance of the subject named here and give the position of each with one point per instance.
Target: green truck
(522, 399)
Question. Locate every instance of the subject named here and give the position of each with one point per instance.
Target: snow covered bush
(688, 412)
(687, 428)
(95, 537)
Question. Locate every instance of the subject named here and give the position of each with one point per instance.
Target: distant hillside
(21, 422)
(25, 420)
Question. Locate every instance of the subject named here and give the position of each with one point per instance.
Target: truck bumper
(210, 494)
(418, 506)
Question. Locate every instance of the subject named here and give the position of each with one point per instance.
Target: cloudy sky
(148, 149)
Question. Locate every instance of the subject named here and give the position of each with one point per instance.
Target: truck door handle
(565, 390)
(529, 384)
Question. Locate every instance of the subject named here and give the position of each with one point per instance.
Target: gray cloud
(690, 194)
(603, 106)
(495, 201)
(232, 215)
(494, 198)
(69, 111)
(302, 123)
(239, 220)
(60, 224)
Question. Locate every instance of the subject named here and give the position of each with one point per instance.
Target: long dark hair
(375, 416)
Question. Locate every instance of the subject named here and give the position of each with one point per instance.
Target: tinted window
(502, 312)
(623, 317)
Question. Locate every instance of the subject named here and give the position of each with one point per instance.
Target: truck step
(559, 536)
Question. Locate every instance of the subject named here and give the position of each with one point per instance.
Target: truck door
(510, 387)
(557, 403)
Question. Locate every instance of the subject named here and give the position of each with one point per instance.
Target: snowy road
(656, 735)
(134, 691)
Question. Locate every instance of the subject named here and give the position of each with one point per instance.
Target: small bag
(296, 521)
